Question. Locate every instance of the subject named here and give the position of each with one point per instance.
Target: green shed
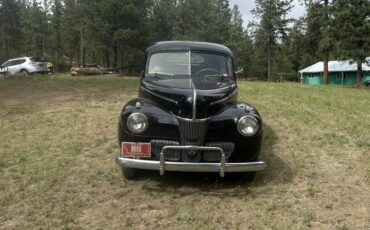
(340, 73)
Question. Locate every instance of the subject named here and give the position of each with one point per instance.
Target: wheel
(368, 84)
(24, 72)
(130, 173)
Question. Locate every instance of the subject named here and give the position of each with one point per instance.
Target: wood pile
(92, 69)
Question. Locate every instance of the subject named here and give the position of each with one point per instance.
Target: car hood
(190, 97)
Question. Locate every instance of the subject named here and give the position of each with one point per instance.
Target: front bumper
(163, 165)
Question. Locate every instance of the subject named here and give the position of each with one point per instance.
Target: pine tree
(319, 21)
(271, 27)
(33, 24)
(10, 29)
(240, 43)
(203, 20)
(295, 49)
(56, 29)
(163, 19)
(72, 16)
(352, 27)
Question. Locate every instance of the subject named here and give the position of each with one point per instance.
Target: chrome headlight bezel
(136, 118)
(251, 123)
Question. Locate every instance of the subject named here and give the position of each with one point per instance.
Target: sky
(245, 7)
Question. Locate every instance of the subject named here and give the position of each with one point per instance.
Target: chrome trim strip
(189, 62)
(225, 98)
(160, 96)
(194, 102)
(188, 119)
(163, 165)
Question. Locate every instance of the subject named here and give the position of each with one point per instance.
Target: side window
(8, 63)
(339, 75)
(14, 62)
(20, 61)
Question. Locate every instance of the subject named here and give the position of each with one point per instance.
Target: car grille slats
(192, 132)
(214, 156)
(170, 155)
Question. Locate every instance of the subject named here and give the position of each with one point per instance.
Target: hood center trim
(194, 101)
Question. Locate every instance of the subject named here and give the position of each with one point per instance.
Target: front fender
(162, 124)
(223, 127)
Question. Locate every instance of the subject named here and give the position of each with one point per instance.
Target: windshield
(201, 64)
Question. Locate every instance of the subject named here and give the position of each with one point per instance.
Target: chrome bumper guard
(163, 165)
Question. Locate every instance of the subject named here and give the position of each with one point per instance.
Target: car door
(3, 69)
(17, 65)
(11, 66)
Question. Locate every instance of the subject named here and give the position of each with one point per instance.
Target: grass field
(58, 145)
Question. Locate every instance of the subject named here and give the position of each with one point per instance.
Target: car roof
(17, 58)
(25, 57)
(189, 45)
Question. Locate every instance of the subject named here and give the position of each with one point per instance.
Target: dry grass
(58, 144)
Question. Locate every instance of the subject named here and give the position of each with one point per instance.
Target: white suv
(24, 65)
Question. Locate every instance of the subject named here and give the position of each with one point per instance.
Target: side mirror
(239, 71)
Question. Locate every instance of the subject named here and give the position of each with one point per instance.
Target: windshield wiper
(214, 76)
(158, 74)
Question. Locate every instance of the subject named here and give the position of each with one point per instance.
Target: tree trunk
(326, 51)
(43, 44)
(115, 55)
(107, 61)
(5, 45)
(359, 73)
(71, 58)
(58, 54)
(326, 67)
(82, 46)
(78, 58)
(269, 62)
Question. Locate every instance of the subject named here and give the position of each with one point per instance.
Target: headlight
(137, 123)
(248, 126)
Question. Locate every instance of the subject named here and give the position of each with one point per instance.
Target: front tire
(24, 72)
(130, 173)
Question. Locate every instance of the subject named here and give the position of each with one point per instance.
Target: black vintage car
(187, 116)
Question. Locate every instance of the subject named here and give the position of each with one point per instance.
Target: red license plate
(136, 149)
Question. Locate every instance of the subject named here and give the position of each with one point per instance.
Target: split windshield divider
(189, 62)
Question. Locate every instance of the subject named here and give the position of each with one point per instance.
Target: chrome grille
(171, 154)
(192, 132)
(215, 156)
